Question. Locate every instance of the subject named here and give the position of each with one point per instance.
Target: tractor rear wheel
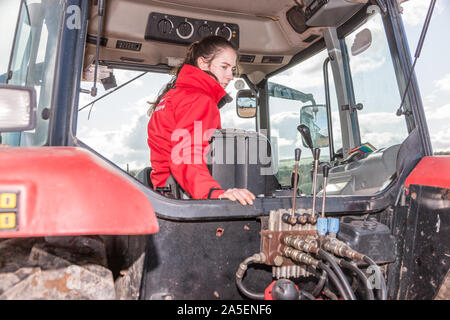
(55, 268)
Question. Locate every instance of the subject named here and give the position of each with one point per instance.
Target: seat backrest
(242, 159)
(144, 177)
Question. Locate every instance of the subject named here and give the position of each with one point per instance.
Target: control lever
(326, 168)
(316, 167)
(298, 152)
(306, 134)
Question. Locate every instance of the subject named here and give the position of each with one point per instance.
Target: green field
(287, 166)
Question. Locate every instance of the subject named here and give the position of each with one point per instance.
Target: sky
(116, 126)
(433, 66)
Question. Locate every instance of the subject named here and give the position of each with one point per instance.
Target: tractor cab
(324, 66)
(317, 129)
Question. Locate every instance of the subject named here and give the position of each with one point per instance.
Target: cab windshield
(374, 95)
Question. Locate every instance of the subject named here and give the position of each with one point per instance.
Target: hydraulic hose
(249, 294)
(327, 292)
(382, 292)
(303, 257)
(362, 277)
(320, 284)
(323, 254)
(307, 295)
(335, 280)
(256, 258)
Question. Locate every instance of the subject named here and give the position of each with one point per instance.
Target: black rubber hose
(362, 277)
(327, 292)
(307, 295)
(382, 292)
(335, 280)
(320, 284)
(339, 273)
(248, 293)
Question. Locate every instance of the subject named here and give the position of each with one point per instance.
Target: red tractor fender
(54, 191)
(431, 171)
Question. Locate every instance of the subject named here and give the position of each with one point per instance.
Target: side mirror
(246, 103)
(17, 108)
(315, 118)
(362, 42)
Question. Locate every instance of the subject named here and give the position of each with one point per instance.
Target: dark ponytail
(207, 48)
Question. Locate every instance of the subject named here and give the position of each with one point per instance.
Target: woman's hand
(242, 195)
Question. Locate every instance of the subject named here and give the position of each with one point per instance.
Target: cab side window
(376, 89)
(306, 80)
(116, 125)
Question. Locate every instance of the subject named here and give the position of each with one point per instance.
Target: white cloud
(439, 139)
(430, 98)
(438, 119)
(305, 75)
(300, 80)
(444, 83)
(366, 64)
(281, 117)
(441, 113)
(120, 145)
(136, 137)
(382, 129)
(229, 119)
(285, 142)
(141, 106)
(415, 11)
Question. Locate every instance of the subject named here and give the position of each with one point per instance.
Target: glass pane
(21, 57)
(306, 77)
(33, 62)
(116, 125)
(375, 87)
(9, 11)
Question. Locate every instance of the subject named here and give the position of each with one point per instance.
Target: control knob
(165, 26)
(224, 32)
(185, 30)
(204, 31)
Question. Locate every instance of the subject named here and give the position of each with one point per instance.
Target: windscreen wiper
(115, 89)
(400, 110)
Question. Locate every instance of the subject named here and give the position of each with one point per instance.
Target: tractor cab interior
(317, 110)
(300, 63)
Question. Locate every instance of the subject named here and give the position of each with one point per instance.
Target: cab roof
(263, 30)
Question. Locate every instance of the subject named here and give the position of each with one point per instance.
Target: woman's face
(222, 66)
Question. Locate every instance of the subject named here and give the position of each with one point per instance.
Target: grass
(287, 166)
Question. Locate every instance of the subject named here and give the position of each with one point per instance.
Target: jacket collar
(193, 77)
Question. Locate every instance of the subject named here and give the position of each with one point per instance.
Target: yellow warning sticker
(7, 220)
(8, 200)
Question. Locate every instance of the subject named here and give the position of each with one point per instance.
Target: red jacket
(179, 131)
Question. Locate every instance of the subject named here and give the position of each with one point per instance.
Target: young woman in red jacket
(184, 117)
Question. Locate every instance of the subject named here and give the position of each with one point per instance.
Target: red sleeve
(196, 121)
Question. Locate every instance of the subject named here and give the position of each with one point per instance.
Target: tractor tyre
(55, 268)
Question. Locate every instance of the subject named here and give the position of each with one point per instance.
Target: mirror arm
(382, 5)
(328, 106)
(250, 84)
